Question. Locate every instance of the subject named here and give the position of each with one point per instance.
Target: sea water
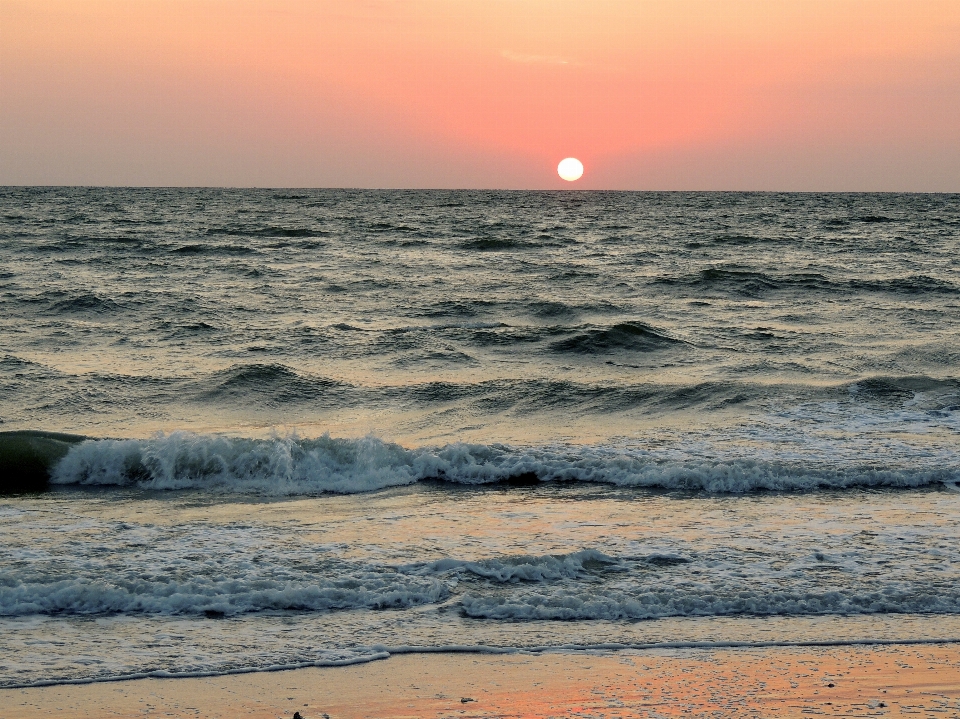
(323, 426)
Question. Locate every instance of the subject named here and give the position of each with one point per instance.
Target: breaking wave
(522, 568)
(294, 466)
(656, 603)
(215, 597)
(578, 586)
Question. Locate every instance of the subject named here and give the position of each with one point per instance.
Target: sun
(570, 169)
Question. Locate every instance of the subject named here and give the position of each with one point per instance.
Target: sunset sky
(649, 94)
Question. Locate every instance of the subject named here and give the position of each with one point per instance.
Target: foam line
(379, 652)
(162, 674)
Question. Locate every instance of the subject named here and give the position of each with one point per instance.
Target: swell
(635, 336)
(754, 283)
(276, 385)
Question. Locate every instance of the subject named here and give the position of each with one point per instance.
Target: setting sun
(570, 169)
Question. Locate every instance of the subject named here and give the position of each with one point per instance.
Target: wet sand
(888, 681)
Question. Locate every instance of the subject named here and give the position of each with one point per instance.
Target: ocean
(316, 427)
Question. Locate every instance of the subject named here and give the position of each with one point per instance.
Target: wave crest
(294, 466)
(522, 568)
(215, 597)
(656, 604)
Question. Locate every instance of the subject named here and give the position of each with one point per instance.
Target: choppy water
(328, 424)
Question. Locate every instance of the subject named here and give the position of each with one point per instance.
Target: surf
(295, 466)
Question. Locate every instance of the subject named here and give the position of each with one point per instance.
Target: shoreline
(379, 654)
(887, 679)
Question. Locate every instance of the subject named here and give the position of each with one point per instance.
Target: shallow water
(116, 583)
(327, 424)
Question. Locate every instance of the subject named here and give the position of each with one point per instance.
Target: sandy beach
(890, 681)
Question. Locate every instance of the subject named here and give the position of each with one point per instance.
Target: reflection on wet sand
(889, 681)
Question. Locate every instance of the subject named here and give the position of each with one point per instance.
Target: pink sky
(649, 94)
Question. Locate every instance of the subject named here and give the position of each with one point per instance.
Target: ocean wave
(16, 363)
(523, 568)
(275, 383)
(670, 602)
(747, 283)
(584, 585)
(753, 283)
(260, 231)
(321, 658)
(494, 244)
(192, 587)
(85, 303)
(26, 458)
(633, 336)
(284, 466)
(214, 597)
(912, 285)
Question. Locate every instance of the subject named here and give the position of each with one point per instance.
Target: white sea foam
(521, 568)
(328, 658)
(645, 599)
(292, 466)
(649, 603)
(290, 582)
(177, 577)
(203, 595)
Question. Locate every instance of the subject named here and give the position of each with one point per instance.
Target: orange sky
(649, 94)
